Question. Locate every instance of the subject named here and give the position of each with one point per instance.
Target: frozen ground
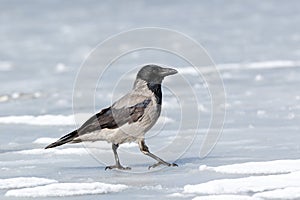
(256, 47)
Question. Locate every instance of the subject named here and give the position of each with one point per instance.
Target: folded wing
(112, 117)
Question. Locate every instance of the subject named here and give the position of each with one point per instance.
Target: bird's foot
(163, 163)
(120, 167)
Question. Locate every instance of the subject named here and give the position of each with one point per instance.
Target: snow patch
(59, 120)
(129, 145)
(42, 120)
(273, 64)
(19, 96)
(245, 185)
(177, 195)
(155, 187)
(66, 151)
(44, 140)
(61, 68)
(261, 113)
(268, 167)
(5, 66)
(165, 120)
(21, 182)
(226, 197)
(4, 98)
(286, 193)
(67, 189)
(258, 77)
(291, 116)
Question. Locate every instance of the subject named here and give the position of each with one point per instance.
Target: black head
(154, 73)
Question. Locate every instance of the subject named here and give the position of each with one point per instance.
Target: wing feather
(113, 117)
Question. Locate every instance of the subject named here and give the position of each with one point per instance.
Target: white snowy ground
(277, 179)
(257, 156)
(256, 46)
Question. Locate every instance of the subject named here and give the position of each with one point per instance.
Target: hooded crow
(128, 119)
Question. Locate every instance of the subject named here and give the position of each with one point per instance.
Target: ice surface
(58, 120)
(65, 151)
(67, 189)
(21, 182)
(268, 167)
(255, 45)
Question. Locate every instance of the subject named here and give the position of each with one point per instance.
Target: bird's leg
(118, 164)
(145, 150)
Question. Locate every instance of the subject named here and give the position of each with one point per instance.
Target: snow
(280, 180)
(59, 120)
(129, 145)
(4, 98)
(21, 182)
(245, 185)
(285, 193)
(44, 140)
(6, 66)
(15, 96)
(61, 68)
(155, 187)
(225, 197)
(42, 120)
(259, 77)
(257, 155)
(165, 120)
(271, 64)
(67, 189)
(261, 113)
(268, 167)
(65, 151)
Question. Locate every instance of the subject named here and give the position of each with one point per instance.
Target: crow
(128, 119)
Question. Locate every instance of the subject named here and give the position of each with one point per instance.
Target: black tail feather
(63, 140)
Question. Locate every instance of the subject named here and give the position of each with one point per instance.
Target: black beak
(168, 71)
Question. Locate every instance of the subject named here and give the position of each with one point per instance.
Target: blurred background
(43, 43)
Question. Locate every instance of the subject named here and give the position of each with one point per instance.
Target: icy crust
(67, 189)
(66, 151)
(278, 179)
(252, 184)
(44, 140)
(268, 167)
(226, 197)
(21, 182)
(285, 193)
(42, 120)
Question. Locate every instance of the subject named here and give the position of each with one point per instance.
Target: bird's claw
(120, 167)
(161, 163)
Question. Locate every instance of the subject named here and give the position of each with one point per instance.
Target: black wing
(112, 118)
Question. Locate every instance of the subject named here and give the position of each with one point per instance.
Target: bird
(127, 119)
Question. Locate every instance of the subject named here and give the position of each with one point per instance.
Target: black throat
(156, 89)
